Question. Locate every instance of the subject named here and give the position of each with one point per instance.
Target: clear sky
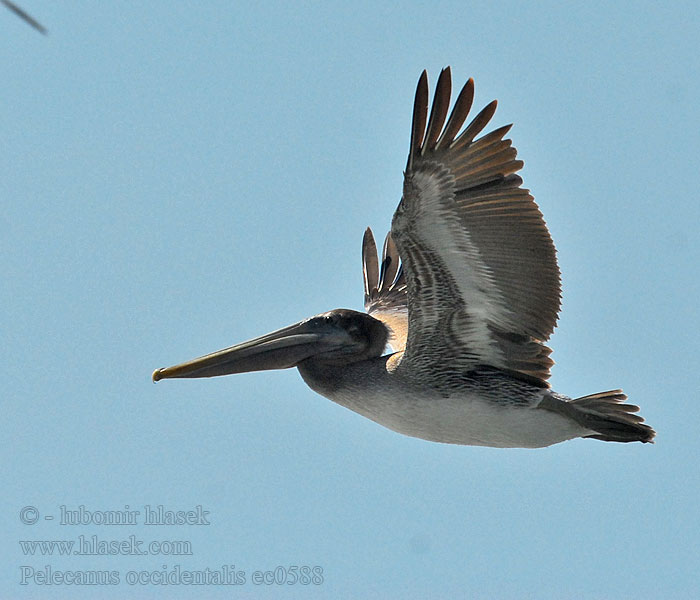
(180, 176)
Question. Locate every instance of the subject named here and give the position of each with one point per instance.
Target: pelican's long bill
(340, 335)
(280, 349)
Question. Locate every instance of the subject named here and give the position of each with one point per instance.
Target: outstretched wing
(481, 270)
(385, 288)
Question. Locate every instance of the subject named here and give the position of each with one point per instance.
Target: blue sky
(178, 177)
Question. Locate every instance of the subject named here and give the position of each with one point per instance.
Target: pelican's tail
(614, 420)
(604, 413)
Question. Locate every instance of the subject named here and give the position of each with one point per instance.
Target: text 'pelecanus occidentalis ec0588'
(466, 294)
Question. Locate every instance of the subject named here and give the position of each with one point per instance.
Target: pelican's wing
(385, 288)
(481, 269)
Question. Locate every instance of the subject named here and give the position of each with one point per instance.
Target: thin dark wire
(25, 16)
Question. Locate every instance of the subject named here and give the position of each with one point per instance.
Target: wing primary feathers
(476, 126)
(400, 279)
(385, 290)
(390, 264)
(370, 267)
(459, 114)
(397, 282)
(486, 140)
(441, 103)
(420, 115)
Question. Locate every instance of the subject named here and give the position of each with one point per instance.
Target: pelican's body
(487, 409)
(466, 294)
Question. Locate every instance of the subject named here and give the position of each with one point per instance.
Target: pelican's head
(338, 337)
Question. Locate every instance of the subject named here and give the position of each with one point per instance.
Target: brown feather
(476, 126)
(459, 114)
(441, 103)
(370, 268)
(420, 111)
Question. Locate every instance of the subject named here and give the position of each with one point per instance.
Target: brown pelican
(466, 294)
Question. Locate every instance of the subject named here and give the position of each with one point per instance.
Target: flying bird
(466, 294)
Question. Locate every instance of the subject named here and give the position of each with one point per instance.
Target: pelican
(466, 294)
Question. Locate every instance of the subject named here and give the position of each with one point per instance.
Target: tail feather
(607, 414)
(614, 420)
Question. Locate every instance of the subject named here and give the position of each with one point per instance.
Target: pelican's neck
(329, 380)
